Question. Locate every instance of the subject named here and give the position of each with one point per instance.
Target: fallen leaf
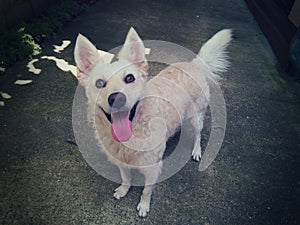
(59, 48)
(32, 67)
(62, 64)
(106, 56)
(2, 103)
(23, 82)
(5, 95)
(147, 51)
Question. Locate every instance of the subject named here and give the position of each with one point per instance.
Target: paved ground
(254, 179)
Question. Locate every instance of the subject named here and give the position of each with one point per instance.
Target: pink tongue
(121, 126)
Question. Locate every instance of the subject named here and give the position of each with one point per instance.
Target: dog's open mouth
(121, 123)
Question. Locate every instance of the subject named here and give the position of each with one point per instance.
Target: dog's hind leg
(122, 190)
(197, 123)
(151, 174)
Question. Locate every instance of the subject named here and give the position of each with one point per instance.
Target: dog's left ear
(133, 50)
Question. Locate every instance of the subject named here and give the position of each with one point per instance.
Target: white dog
(133, 116)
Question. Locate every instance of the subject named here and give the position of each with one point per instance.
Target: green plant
(21, 43)
(27, 39)
(16, 45)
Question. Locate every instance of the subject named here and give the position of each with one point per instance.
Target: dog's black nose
(117, 100)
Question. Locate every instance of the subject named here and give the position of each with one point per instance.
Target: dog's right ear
(85, 55)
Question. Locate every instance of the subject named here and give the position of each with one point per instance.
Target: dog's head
(117, 87)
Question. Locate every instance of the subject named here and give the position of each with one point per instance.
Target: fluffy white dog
(135, 116)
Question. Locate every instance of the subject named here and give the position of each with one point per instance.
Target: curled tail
(214, 53)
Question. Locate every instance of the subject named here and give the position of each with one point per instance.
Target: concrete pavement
(254, 179)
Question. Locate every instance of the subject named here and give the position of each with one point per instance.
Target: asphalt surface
(254, 178)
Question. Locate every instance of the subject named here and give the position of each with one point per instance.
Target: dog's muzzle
(120, 117)
(116, 101)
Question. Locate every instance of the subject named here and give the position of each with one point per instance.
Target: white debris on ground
(106, 56)
(32, 68)
(147, 51)
(62, 64)
(23, 82)
(5, 95)
(60, 48)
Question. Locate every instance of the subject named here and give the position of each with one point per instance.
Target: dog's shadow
(173, 142)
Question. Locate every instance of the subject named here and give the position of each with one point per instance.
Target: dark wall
(272, 17)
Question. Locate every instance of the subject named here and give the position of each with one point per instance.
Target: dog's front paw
(196, 154)
(143, 208)
(121, 191)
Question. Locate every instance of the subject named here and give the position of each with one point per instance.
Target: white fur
(180, 87)
(213, 52)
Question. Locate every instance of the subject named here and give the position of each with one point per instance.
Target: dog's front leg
(151, 174)
(122, 190)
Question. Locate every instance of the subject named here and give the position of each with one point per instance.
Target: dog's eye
(100, 83)
(129, 79)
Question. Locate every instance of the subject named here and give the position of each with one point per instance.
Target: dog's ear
(85, 54)
(133, 50)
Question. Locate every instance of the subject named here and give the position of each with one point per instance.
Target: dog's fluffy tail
(214, 53)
